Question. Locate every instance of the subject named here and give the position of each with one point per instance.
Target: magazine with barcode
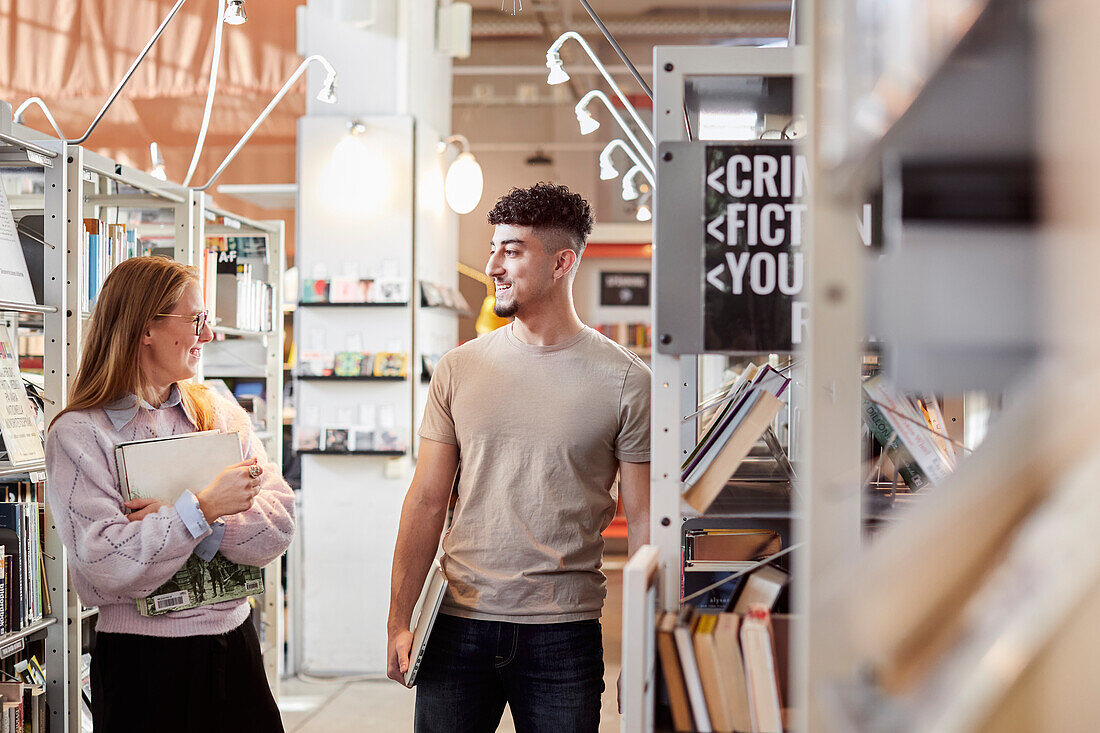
(196, 458)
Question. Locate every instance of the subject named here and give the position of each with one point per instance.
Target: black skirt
(191, 683)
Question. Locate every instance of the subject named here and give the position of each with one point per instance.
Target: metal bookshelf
(78, 183)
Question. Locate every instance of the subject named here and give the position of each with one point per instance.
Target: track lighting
(589, 124)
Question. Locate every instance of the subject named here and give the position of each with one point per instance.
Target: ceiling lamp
(643, 213)
(464, 182)
(234, 14)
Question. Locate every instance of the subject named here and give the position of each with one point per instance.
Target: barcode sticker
(253, 586)
(171, 600)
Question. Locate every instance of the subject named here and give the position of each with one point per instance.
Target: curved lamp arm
(459, 141)
(553, 61)
(129, 73)
(37, 101)
(579, 109)
(214, 63)
(605, 154)
(327, 94)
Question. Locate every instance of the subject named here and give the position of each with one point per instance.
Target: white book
(761, 676)
(15, 280)
(196, 459)
(690, 669)
(423, 618)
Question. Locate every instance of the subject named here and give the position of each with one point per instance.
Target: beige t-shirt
(540, 432)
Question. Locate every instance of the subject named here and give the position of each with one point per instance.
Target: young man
(542, 414)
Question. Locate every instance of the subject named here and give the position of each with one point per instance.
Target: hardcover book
(196, 459)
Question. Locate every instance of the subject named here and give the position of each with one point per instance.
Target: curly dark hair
(548, 207)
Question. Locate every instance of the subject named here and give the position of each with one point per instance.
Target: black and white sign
(755, 203)
(624, 288)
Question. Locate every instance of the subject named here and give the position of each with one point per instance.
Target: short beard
(505, 311)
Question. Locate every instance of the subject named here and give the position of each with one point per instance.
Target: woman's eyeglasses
(199, 319)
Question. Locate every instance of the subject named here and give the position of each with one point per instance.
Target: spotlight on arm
(234, 13)
(630, 191)
(328, 89)
(558, 74)
(587, 122)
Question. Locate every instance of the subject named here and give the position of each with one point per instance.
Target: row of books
(23, 706)
(353, 364)
(347, 289)
(912, 431)
(104, 246)
(630, 335)
(240, 299)
(724, 672)
(25, 593)
(739, 417)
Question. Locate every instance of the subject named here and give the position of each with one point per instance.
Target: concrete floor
(385, 706)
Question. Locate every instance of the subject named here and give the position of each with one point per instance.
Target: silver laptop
(423, 618)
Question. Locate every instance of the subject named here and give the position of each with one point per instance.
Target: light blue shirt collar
(122, 411)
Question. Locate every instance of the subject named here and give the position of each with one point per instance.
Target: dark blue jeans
(551, 675)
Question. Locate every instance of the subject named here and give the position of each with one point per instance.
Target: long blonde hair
(132, 296)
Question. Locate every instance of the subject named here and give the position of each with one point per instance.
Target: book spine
(883, 431)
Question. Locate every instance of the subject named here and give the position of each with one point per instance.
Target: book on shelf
(20, 536)
(903, 432)
(715, 691)
(715, 543)
(672, 674)
(104, 246)
(761, 588)
(682, 633)
(761, 671)
(22, 441)
(197, 459)
(242, 300)
(731, 670)
(929, 407)
(15, 279)
(423, 618)
(391, 364)
(732, 443)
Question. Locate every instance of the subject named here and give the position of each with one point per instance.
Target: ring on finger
(254, 470)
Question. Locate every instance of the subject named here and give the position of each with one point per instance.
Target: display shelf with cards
(79, 215)
(366, 275)
(396, 304)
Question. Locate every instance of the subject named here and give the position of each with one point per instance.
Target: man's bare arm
(422, 515)
(634, 488)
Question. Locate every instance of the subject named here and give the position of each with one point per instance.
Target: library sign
(754, 211)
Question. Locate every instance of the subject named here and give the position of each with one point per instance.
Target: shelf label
(42, 160)
(16, 646)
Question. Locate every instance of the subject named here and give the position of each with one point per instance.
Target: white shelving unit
(78, 183)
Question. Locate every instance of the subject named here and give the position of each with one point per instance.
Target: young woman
(188, 670)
